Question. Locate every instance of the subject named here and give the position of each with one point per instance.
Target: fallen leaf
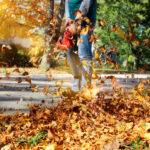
(25, 73)
(35, 88)
(28, 79)
(19, 80)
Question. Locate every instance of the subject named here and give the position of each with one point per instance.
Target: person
(80, 56)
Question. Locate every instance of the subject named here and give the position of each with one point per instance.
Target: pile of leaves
(85, 121)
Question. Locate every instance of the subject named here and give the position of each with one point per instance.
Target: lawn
(62, 69)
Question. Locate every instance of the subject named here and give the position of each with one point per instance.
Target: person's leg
(76, 66)
(86, 73)
(85, 55)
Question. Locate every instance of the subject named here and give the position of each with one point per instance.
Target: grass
(33, 70)
(33, 140)
(107, 70)
(63, 69)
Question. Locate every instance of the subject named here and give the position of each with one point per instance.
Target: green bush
(14, 56)
(23, 59)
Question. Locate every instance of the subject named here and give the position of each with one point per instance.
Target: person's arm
(85, 6)
(67, 9)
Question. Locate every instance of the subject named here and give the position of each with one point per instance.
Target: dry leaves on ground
(81, 122)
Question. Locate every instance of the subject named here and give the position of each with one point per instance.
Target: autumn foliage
(92, 119)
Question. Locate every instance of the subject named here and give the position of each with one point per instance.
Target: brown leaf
(87, 20)
(8, 75)
(28, 79)
(25, 73)
(131, 27)
(137, 43)
(147, 42)
(19, 80)
(137, 22)
(5, 87)
(46, 90)
(49, 76)
(143, 69)
(131, 36)
(16, 70)
(3, 50)
(3, 64)
(113, 29)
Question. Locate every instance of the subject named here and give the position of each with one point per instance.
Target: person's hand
(79, 15)
(70, 26)
(72, 29)
(68, 21)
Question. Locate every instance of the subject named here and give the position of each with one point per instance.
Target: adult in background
(83, 13)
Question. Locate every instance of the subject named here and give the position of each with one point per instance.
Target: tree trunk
(50, 12)
(137, 62)
(137, 54)
(52, 33)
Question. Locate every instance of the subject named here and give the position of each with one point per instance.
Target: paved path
(17, 96)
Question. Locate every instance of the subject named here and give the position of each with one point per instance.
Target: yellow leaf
(135, 111)
(74, 126)
(147, 126)
(141, 85)
(101, 116)
(96, 55)
(147, 136)
(103, 22)
(85, 30)
(129, 126)
(92, 38)
(84, 64)
(35, 89)
(79, 41)
(94, 75)
(51, 147)
(121, 33)
(46, 90)
(59, 84)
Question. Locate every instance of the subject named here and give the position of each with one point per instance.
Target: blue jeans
(81, 63)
